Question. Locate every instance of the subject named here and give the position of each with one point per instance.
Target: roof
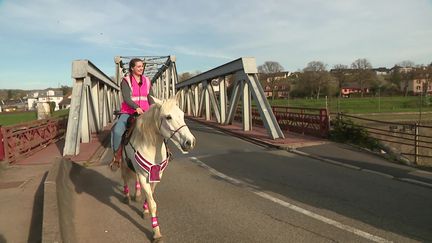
(65, 101)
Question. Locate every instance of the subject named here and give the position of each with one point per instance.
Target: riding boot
(118, 154)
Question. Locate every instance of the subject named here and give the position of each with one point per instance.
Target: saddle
(130, 126)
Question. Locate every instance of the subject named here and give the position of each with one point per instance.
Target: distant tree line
(315, 80)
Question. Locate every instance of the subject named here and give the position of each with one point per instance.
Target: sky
(39, 39)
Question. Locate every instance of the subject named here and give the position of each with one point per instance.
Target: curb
(50, 222)
(57, 223)
(295, 151)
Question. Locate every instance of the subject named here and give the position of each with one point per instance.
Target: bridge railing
(208, 92)
(309, 121)
(94, 99)
(20, 141)
(411, 140)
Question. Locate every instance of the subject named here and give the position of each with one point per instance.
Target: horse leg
(125, 177)
(137, 196)
(145, 204)
(151, 205)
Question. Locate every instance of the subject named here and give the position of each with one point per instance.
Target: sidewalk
(22, 187)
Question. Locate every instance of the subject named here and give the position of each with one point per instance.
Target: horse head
(171, 124)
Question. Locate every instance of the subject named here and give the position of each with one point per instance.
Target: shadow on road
(35, 230)
(102, 188)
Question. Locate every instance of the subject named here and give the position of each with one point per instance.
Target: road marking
(416, 182)
(378, 173)
(298, 209)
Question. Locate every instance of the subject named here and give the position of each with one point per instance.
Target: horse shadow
(89, 181)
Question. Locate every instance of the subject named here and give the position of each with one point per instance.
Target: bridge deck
(94, 152)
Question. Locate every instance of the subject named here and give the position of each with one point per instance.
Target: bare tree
(406, 63)
(187, 75)
(269, 68)
(402, 77)
(364, 74)
(316, 74)
(339, 72)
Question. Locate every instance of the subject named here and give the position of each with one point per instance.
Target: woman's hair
(133, 62)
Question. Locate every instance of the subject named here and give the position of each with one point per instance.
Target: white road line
(292, 206)
(378, 173)
(416, 182)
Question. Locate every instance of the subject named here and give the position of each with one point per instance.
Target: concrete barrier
(58, 208)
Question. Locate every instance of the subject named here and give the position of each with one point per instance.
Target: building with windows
(43, 96)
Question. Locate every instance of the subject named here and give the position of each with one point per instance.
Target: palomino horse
(147, 151)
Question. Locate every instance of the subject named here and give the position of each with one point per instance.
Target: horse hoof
(144, 213)
(158, 240)
(126, 200)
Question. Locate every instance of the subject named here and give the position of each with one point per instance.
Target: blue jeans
(118, 130)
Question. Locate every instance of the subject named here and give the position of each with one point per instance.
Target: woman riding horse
(135, 89)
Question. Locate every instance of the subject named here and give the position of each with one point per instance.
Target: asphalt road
(229, 190)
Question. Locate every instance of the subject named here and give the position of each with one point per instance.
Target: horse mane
(147, 124)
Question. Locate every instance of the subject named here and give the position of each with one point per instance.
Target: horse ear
(154, 100)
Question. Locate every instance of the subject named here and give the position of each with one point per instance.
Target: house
(13, 105)
(381, 71)
(415, 79)
(66, 101)
(400, 69)
(275, 82)
(417, 86)
(43, 96)
(352, 88)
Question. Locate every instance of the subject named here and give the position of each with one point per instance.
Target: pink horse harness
(153, 170)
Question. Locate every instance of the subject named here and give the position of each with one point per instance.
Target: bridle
(173, 132)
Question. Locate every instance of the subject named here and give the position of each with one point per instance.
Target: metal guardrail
(25, 139)
(309, 121)
(410, 139)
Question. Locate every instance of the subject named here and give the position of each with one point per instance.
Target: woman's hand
(139, 110)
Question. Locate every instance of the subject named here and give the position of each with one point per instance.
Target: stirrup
(114, 165)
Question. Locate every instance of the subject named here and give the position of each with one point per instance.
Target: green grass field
(7, 119)
(362, 105)
(383, 108)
